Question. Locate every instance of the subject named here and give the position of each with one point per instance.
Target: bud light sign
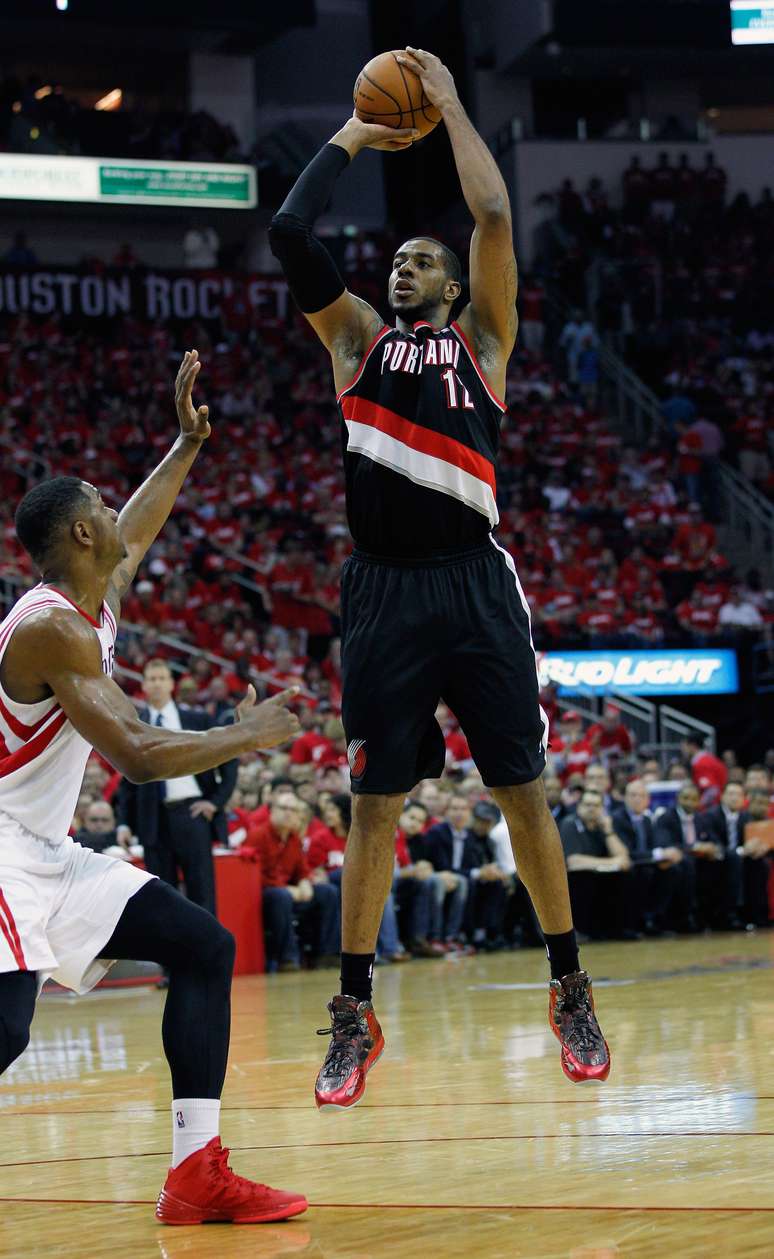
(701, 672)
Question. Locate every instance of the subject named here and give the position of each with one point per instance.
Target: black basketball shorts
(455, 629)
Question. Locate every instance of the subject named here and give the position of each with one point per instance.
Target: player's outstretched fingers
(284, 696)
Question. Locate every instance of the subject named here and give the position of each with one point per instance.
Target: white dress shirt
(186, 788)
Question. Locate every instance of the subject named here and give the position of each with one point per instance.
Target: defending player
(431, 605)
(64, 908)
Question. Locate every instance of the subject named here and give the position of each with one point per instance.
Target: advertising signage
(679, 672)
(106, 181)
(752, 22)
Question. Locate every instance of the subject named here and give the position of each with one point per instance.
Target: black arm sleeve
(312, 275)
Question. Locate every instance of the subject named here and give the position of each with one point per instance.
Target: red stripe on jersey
(90, 619)
(111, 620)
(23, 756)
(381, 333)
(472, 355)
(19, 728)
(424, 440)
(9, 929)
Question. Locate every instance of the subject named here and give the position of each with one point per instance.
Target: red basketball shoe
(204, 1190)
(585, 1055)
(357, 1043)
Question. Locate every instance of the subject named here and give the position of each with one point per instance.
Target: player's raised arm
(493, 277)
(145, 514)
(344, 323)
(58, 651)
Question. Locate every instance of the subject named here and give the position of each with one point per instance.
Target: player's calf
(18, 990)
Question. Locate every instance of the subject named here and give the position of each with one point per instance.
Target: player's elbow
(494, 211)
(136, 764)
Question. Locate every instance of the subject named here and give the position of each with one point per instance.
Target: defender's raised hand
(437, 81)
(193, 423)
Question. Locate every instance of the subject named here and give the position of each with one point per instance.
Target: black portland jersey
(421, 431)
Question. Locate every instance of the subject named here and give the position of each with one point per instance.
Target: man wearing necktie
(663, 888)
(178, 819)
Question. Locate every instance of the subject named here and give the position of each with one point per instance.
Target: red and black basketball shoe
(204, 1190)
(356, 1044)
(585, 1055)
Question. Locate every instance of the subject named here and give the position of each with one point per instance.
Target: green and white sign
(224, 186)
(752, 22)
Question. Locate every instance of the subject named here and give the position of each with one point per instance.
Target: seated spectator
(492, 885)
(739, 613)
(745, 876)
(325, 854)
(453, 851)
(99, 830)
(609, 738)
(662, 883)
(289, 893)
(708, 772)
(418, 893)
(598, 871)
(757, 847)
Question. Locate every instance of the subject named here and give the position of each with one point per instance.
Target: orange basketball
(390, 94)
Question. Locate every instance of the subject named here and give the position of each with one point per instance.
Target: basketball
(391, 94)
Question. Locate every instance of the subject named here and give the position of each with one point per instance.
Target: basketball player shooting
(431, 605)
(66, 911)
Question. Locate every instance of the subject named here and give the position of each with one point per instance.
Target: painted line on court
(429, 1206)
(326, 1145)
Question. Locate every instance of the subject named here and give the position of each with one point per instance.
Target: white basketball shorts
(59, 905)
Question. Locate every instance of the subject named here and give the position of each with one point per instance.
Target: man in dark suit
(663, 884)
(681, 828)
(177, 820)
(745, 877)
(455, 854)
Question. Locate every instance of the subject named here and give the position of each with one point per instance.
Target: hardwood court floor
(470, 1142)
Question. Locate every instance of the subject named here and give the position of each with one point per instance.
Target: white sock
(195, 1121)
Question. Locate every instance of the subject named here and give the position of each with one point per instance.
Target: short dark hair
(416, 804)
(450, 260)
(343, 803)
(46, 511)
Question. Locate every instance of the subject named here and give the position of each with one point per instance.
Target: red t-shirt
(282, 862)
(604, 739)
(709, 772)
(326, 850)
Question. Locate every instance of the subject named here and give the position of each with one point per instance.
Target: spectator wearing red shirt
(609, 737)
(289, 893)
(311, 744)
(326, 850)
(571, 753)
(418, 891)
(690, 449)
(708, 771)
(696, 619)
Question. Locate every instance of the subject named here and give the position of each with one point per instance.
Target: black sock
(562, 953)
(356, 972)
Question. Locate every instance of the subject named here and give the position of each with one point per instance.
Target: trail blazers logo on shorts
(356, 755)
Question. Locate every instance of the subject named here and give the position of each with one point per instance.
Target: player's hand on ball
(356, 135)
(193, 423)
(437, 81)
(271, 722)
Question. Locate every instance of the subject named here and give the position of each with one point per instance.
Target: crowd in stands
(37, 116)
(652, 848)
(678, 277)
(612, 545)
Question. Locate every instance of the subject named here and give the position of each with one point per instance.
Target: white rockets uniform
(59, 902)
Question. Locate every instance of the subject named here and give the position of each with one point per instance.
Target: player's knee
(14, 1039)
(223, 949)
